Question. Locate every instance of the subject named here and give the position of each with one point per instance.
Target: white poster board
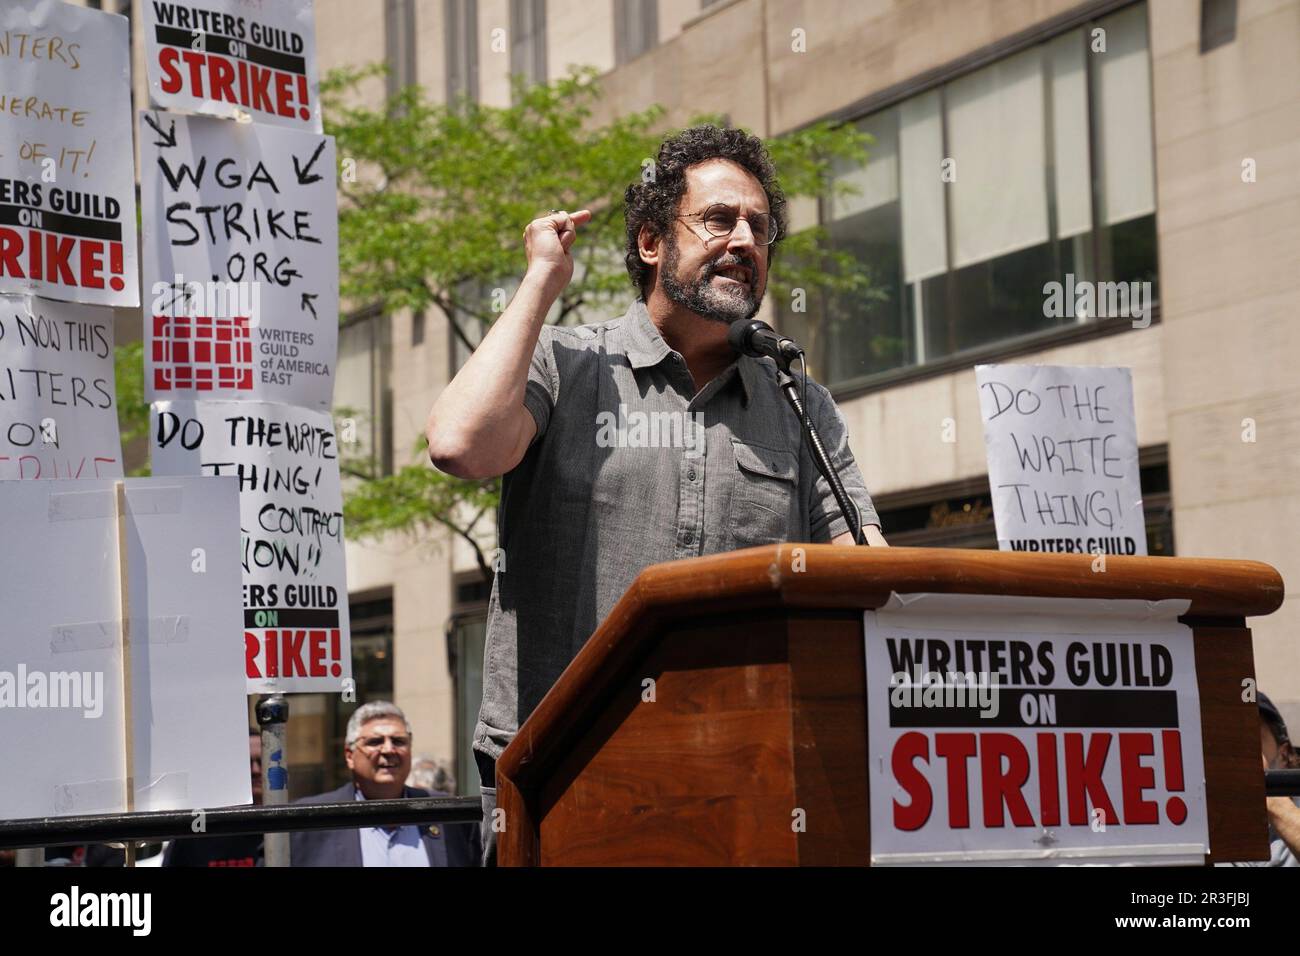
(295, 634)
(222, 57)
(240, 261)
(58, 408)
(61, 689)
(1033, 730)
(67, 165)
(1063, 458)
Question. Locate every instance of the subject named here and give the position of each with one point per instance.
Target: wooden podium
(758, 678)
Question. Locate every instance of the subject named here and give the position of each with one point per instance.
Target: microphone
(756, 339)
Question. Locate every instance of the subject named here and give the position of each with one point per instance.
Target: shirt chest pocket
(765, 495)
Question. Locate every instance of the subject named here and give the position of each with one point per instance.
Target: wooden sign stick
(124, 606)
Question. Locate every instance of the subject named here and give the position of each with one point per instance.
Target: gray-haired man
(378, 752)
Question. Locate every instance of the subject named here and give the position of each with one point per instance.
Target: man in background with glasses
(643, 439)
(378, 752)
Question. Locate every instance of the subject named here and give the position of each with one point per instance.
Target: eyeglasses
(372, 745)
(720, 221)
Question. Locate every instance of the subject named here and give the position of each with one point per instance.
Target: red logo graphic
(202, 353)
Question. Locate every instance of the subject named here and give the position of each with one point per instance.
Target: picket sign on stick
(124, 626)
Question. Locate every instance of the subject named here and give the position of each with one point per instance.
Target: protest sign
(1015, 729)
(67, 166)
(58, 410)
(1063, 458)
(61, 653)
(241, 261)
(295, 633)
(223, 56)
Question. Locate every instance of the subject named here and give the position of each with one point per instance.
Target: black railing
(157, 825)
(1282, 783)
(160, 825)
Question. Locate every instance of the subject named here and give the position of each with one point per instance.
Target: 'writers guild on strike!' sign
(240, 261)
(67, 175)
(225, 56)
(291, 530)
(1018, 729)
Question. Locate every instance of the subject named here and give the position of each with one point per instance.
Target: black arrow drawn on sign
(168, 138)
(182, 294)
(305, 175)
(306, 303)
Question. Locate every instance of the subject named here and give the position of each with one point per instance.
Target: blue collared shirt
(401, 846)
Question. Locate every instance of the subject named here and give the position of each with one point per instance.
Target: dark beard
(699, 296)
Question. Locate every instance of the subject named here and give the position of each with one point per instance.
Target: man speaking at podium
(638, 440)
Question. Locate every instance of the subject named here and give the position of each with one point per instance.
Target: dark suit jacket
(451, 844)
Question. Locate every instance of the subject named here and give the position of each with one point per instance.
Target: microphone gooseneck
(758, 339)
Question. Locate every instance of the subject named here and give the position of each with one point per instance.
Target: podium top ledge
(829, 576)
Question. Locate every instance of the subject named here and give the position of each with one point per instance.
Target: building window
(636, 28)
(460, 22)
(399, 44)
(466, 637)
(1218, 23)
(528, 40)
(468, 322)
(474, 330)
(979, 192)
(363, 394)
(960, 515)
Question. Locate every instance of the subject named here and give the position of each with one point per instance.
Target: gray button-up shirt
(631, 468)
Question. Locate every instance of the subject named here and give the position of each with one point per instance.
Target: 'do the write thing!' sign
(291, 549)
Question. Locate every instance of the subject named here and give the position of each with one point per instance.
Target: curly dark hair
(655, 203)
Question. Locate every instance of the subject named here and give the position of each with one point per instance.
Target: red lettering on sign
(1137, 779)
(171, 77)
(1002, 785)
(1083, 781)
(908, 748)
(956, 749)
